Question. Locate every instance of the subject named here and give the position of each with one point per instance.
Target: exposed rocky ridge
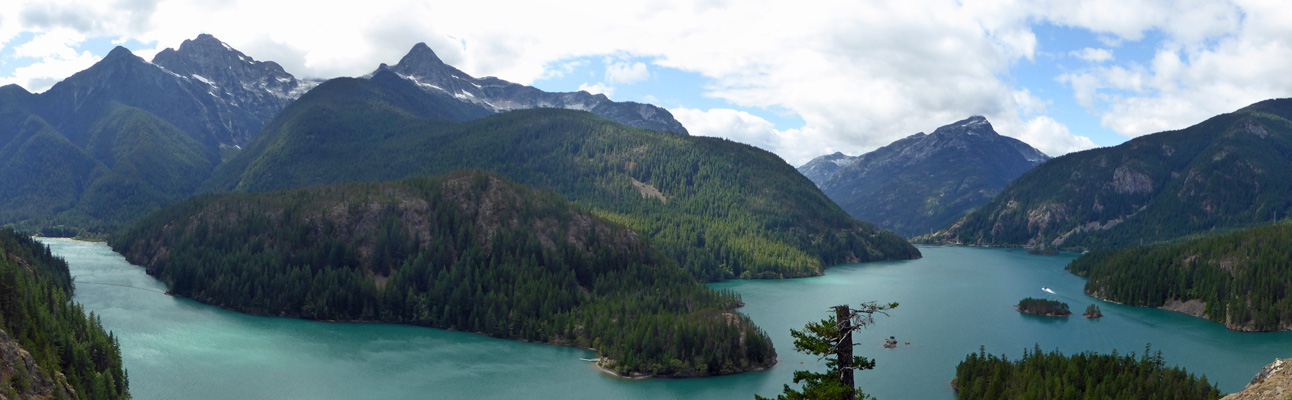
(1274, 382)
(821, 168)
(17, 365)
(428, 72)
(1229, 171)
(927, 181)
(262, 88)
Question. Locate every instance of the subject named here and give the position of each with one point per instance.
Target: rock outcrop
(22, 379)
(1274, 382)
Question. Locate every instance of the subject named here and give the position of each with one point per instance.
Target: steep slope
(469, 251)
(432, 75)
(1228, 171)
(821, 168)
(926, 182)
(721, 209)
(125, 137)
(1239, 279)
(260, 88)
(49, 348)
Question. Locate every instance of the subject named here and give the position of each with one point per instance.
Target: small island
(1043, 307)
(1093, 312)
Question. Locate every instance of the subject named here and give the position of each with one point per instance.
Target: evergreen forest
(36, 311)
(1039, 375)
(470, 251)
(1243, 277)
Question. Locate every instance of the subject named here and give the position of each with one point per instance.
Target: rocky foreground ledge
(1273, 382)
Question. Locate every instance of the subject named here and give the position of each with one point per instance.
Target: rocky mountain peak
(421, 54)
(975, 125)
(430, 74)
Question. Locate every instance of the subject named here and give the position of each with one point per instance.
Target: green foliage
(36, 311)
(1045, 376)
(470, 251)
(729, 210)
(133, 163)
(1244, 277)
(832, 341)
(1227, 172)
(1043, 307)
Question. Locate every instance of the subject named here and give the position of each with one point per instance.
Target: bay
(953, 301)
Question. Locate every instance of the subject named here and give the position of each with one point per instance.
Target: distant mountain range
(424, 68)
(127, 136)
(925, 182)
(719, 208)
(822, 168)
(1229, 171)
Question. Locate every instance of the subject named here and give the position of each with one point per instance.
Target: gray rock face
(261, 88)
(17, 363)
(928, 181)
(422, 67)
(821, 168)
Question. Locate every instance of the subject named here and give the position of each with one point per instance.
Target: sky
(799, 78)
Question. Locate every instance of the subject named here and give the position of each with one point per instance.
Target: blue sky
(800, 79)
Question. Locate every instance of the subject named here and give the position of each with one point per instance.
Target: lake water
(953, 300)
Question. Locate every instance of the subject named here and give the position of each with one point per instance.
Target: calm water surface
(953, 300)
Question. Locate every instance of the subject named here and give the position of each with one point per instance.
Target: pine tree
(831, 339)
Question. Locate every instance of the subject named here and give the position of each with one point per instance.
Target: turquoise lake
(953, 301)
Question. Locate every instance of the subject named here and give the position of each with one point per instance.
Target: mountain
(260, 88)
(821, 168)
(1229, 171)
(49, 347)
(469, 251)
(124, 137)
(926, 182)
(1237, 278)
(432, 75)
(719, 208)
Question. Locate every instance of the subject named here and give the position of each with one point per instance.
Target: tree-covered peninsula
(469, 251)
(1240, 279)
(49, 347)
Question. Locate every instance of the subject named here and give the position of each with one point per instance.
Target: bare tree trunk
(844, 350)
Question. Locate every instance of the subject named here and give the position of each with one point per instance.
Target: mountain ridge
(927, 181)
(425, 69)
(1229, 171)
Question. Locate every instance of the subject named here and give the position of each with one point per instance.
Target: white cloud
(1209, 65)
(793, 145)
(597, 88)
(56, 59)
(623, 72)
(1048, 136)
(1093, 55)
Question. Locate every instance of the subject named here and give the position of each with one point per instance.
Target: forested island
(1039, 375)
(1043, 307)
(1239, 279)
(470, 251)
(49, 347)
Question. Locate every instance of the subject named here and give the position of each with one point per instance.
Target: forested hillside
(1242, 278)
(1230, 171)
(49, 348)
(721, 209)
(470, 251)
(1045, 376)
